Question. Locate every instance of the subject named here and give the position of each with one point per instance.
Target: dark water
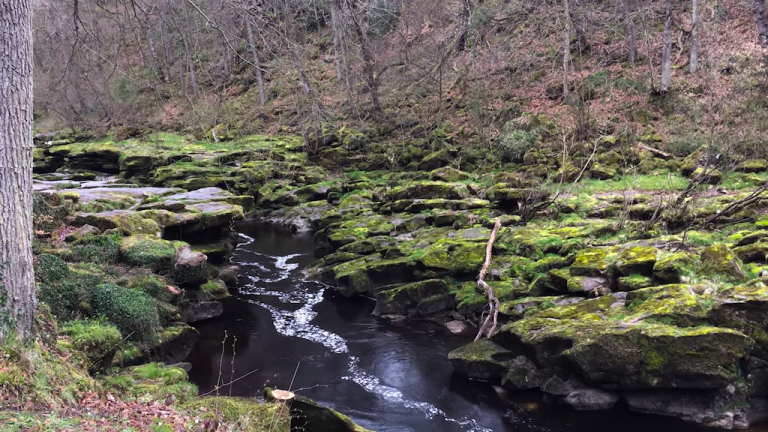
(387, 377)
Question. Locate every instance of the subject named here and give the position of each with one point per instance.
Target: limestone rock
(591, 399)
(482, 359)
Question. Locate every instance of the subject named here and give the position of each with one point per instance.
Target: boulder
(636, 260)
(718, 260)
(81, 232)
(148, 250)
(672, 268)
(522, 375)
(436, 160)
(606, 353)
(428, 189)
(753, 166)
(448, 174)
(229, 275)
(709, 408)
(591, 399)
(129, 222)
(482, 359)
(420, 298)
(202, 311)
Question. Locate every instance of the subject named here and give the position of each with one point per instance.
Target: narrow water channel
(284, 332)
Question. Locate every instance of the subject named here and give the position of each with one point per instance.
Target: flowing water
(284, 332)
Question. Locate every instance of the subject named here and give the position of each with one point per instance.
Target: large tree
(17, 281)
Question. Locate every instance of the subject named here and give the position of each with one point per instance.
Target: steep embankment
(617, 280)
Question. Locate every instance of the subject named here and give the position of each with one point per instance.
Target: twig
(493, 302)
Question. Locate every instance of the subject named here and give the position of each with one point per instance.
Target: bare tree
(17, 280)
(360, 24)
(579, 22)
(566, 48)
(694, 57)
(256, 62)
(466, 15)
(666, 59)
(762, 23)
(627, 7)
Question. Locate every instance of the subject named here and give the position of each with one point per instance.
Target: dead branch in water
(493, 302)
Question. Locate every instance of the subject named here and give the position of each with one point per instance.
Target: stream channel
(387, 377)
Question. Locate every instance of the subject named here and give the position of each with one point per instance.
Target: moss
(590, 262)
(132, 311)
(148, 250)
(97, 339)
(674, 267)
(637, 260)
(66, 291)
(634, 282)
(454, 257)
(719, 261)
(215, 288)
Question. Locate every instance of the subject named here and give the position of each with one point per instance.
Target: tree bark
(466, 14)
(762, 23)
(626, 9)
(576, 15)
(694, 57)
(666, 59)
(256, 62)
(17, 280)
(369, 63)
(566, 49)
(339, 30)
(336, 39)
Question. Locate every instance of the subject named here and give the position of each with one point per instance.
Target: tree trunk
(626, 9)
(576, 15)
(256, 62)
(17, 279)
(694, 58)
(566, 49)
(666, 59)
(466, 14)
(762, 23)
(339, 30)
(336, 39)
(369, 63)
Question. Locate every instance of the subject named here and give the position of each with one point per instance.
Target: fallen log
(493, 302)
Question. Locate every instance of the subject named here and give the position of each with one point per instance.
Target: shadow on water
(287, 333)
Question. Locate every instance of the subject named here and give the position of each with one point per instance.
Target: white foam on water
(372, 384)
(297, 323)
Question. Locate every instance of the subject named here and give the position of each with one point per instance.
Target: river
(287, 333)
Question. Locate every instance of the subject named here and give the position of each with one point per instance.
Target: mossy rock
(674, 267)
(216, 288)
(636, 260)
(648, 356)
(679, 304)
(713, 176)
(422, 298)
(132, 311)
(591, 262)
(148, 250)
(448, 174)
(718, 260)
(448, 256)
(753, 252)
(98, 340)
(753, 166)
(568, 172)
(744, 308)
(634, 282)
(587, 285)
(129, 222)
(428, 190)
(418, 206)
(155, 381)
(436, 160)
(602, 172)
(514, 180)
(482, 359)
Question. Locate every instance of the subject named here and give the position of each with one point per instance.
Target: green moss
(147, 250)
(132, 311)
(97, 339)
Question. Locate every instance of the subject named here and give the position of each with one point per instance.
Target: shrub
(133, 312)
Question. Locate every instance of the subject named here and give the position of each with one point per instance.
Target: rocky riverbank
(612, 291)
